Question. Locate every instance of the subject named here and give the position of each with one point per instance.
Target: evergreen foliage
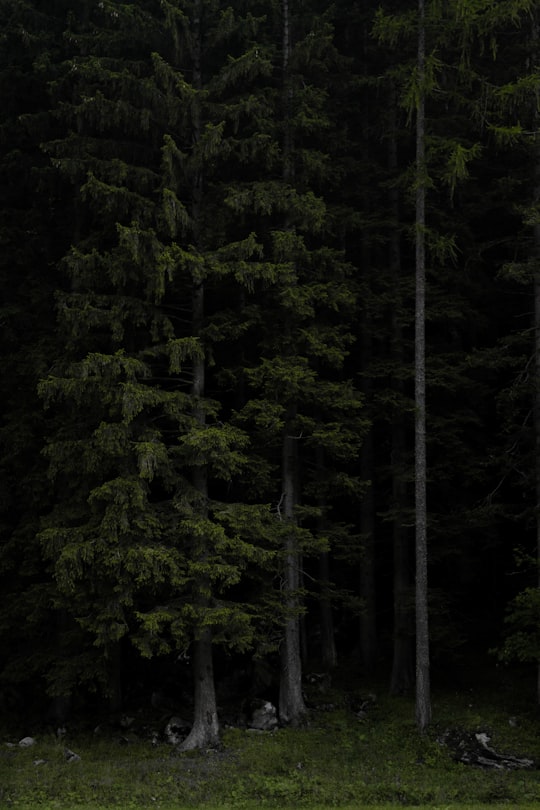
(208, 227)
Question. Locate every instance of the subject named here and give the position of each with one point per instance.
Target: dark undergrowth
(341, 758)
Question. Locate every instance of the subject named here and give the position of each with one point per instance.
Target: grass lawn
(337, 760)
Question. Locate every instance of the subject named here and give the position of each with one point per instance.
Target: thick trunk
(423, 699)
(205, 730)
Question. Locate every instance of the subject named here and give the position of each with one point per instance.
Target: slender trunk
(423, 699)
(205, 729)
(328, 653)
(367, 580)
(368, 627)
(402, 676)
(291, 700)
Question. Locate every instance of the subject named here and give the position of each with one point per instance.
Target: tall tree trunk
(367, 580)
(205, 729)
(402, 676)
(328, 653)
(368, 626)
(423, 699)
(291, 700)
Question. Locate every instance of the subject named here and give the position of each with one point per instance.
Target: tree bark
(423, 699)
(367, 577)
(402, 676)
(291, 700)
(205, 729)
(368, 626)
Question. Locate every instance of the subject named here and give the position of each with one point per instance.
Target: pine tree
(298, 399)
(143, 547)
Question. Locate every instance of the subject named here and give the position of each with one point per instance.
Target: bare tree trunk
(328, 653)
(368, 627)
(402, 676)
(291, 700)
(423, 698)
(367, 578)
(205, 729)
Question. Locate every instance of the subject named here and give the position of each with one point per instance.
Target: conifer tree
(449, 151)
(143, 549)
(300, 404)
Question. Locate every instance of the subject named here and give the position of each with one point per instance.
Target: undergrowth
(337, 760)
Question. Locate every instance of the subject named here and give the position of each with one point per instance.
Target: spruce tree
(144, 548)
(301, 407)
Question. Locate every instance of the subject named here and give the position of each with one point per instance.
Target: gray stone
(264, 717)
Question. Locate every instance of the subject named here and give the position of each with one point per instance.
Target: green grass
(336, 761)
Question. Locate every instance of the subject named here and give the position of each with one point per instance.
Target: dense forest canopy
(210, 236)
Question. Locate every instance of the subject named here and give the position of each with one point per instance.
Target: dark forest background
(207, 343)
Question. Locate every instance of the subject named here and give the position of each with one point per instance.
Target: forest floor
(344, 757)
